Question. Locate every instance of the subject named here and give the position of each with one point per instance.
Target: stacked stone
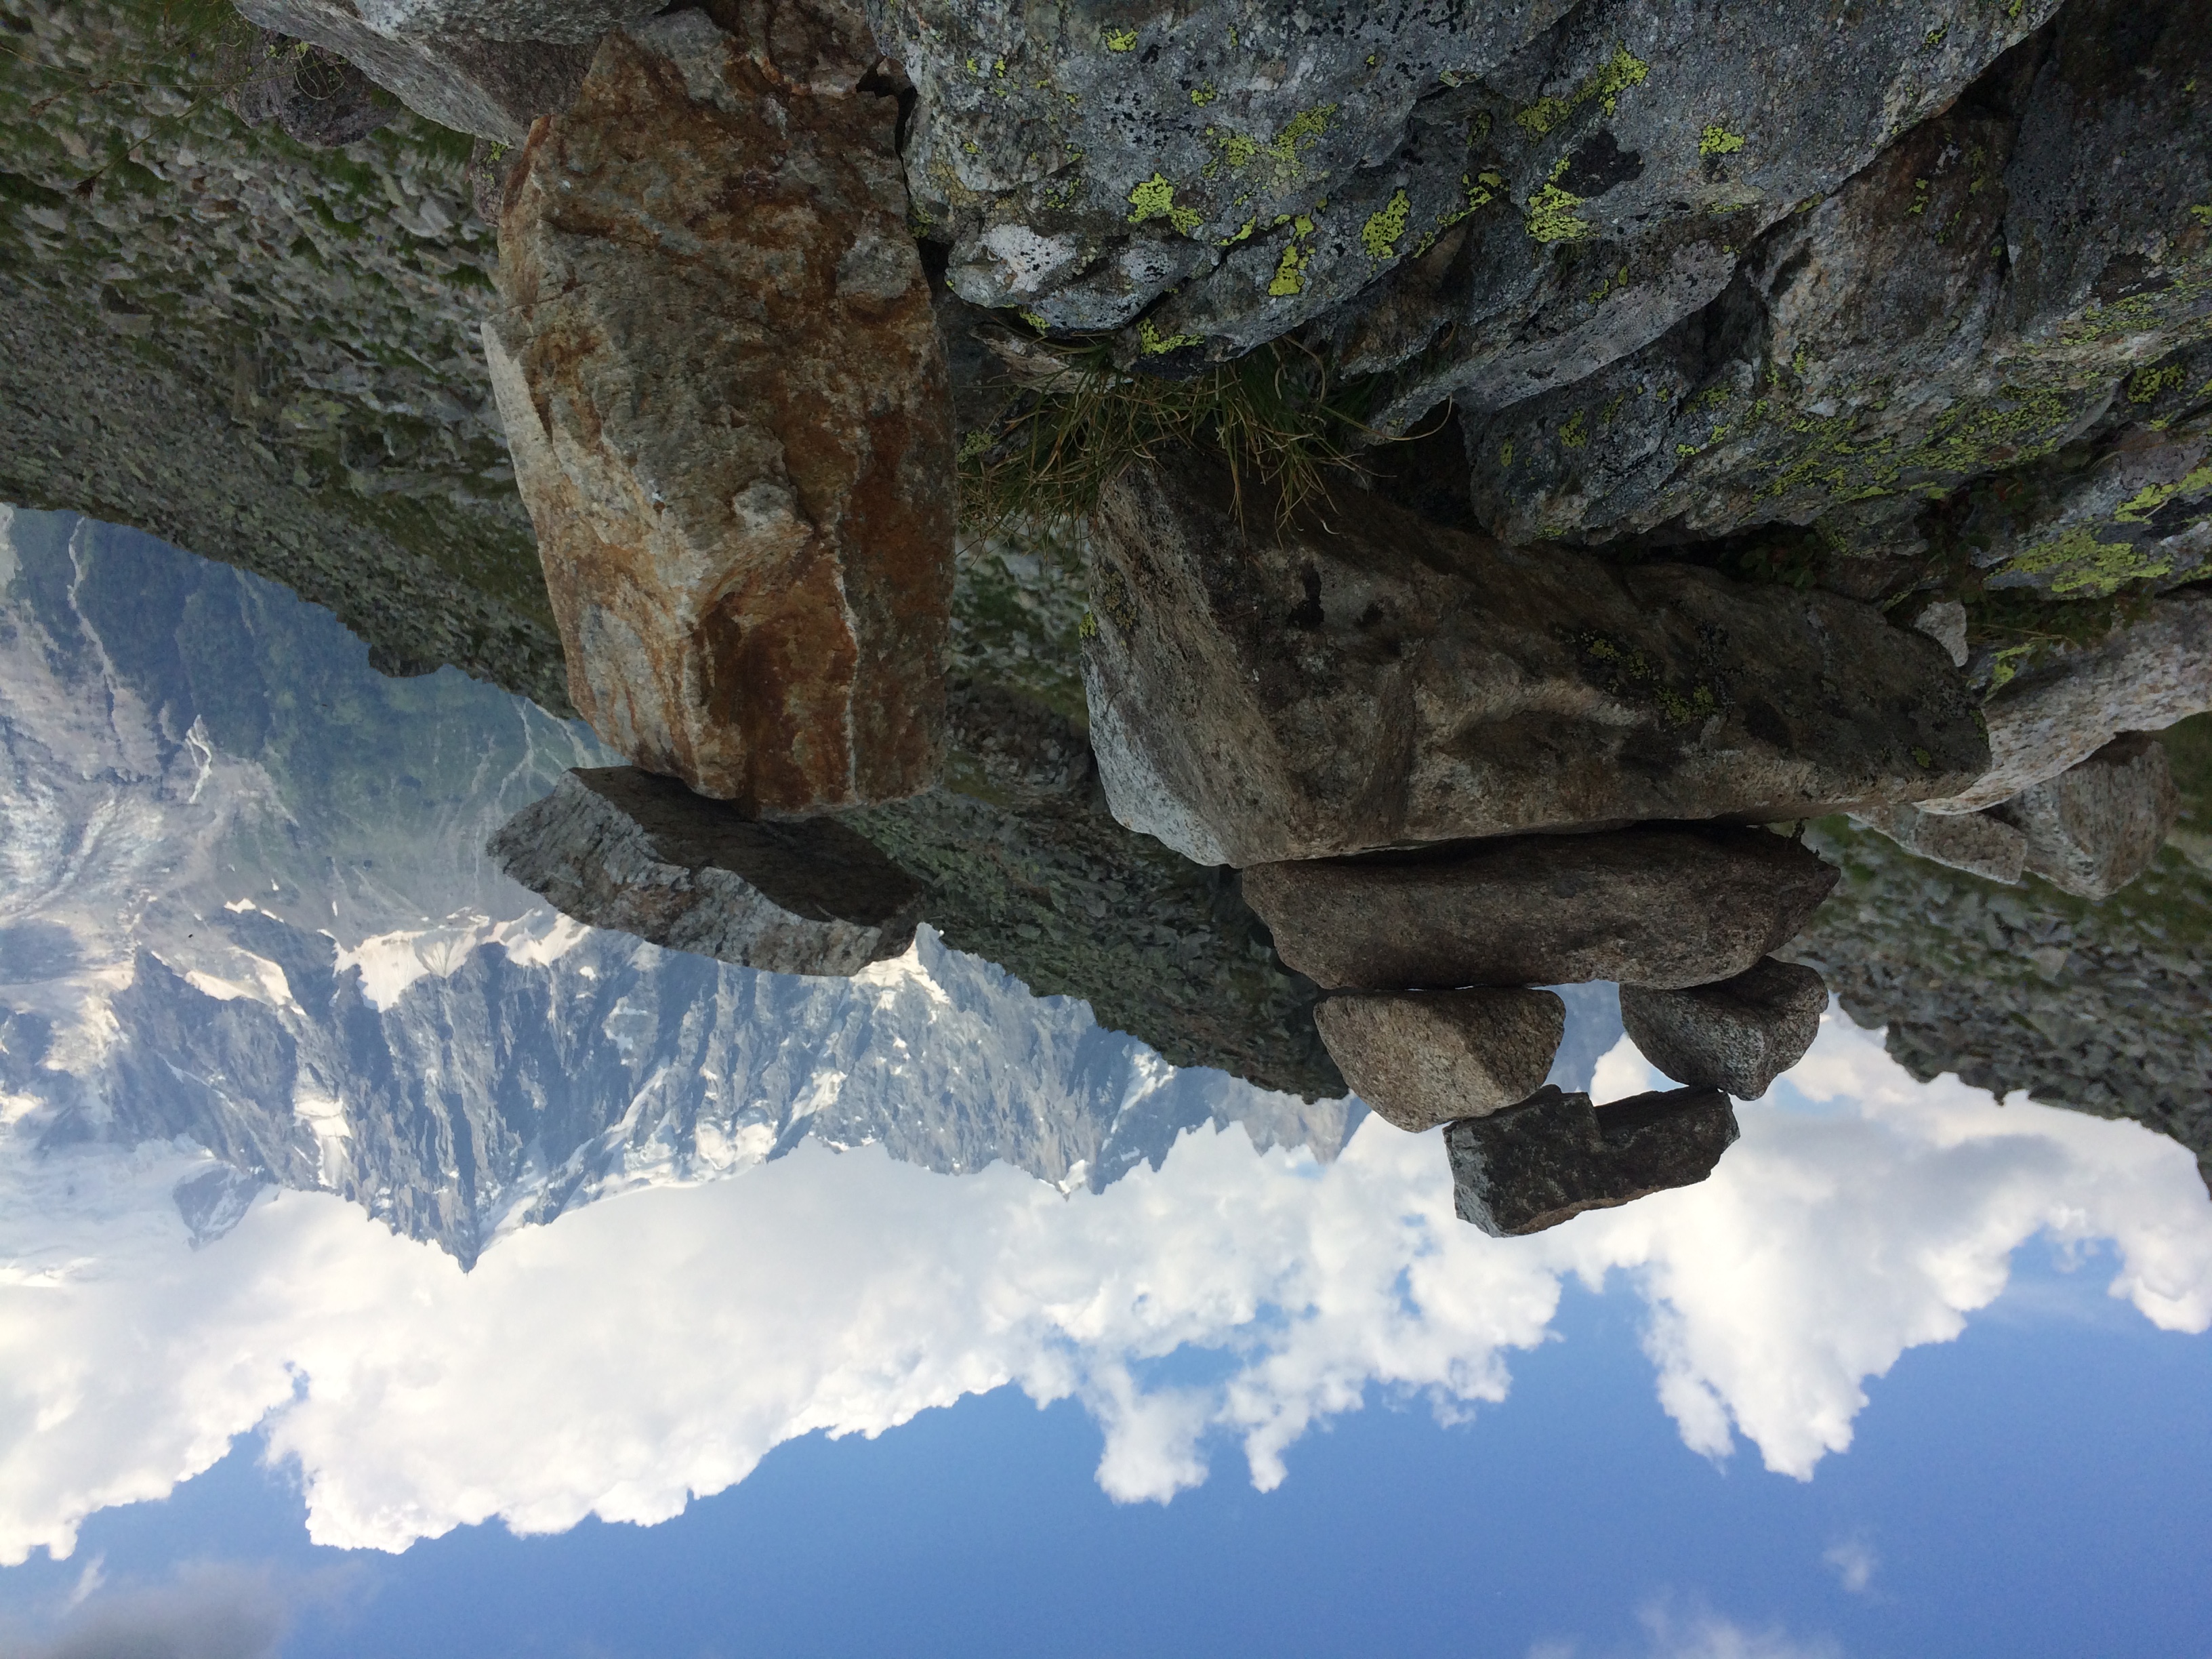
(1453, 771)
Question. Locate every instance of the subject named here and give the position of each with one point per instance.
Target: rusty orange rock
(728, 408)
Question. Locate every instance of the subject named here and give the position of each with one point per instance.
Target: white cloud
(206, 1610)
(1852, 1560)
(1707, 1635)
(655, 1346)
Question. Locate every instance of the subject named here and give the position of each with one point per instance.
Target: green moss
(1379, 236)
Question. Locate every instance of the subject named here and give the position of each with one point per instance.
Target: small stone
(1422, 1058)
(1977, 842)
(1945, 623)
(1739, 1034)
(2097, 826)
(613, 847)
(1353, 677)
(1657, 905)
(1536, 1164)
(2143, 677)
(725, 397)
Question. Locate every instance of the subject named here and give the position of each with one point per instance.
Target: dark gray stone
(613, 847)
(1355, 677)
(1658, 905)
(2097, 826)
(313, 97)
(1549, 1159)
(1422, 1058)
(1739, 1034)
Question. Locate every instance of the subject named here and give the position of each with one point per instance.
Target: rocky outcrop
(1358, 677)
(2143, 677)
(459, 79)
(728, 412)
(2098, 825)
(1739, 1034)
(1423, 1057)
(1658, 905)
(613, 847)
(1549, 1159)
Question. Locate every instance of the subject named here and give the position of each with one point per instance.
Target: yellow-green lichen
(1155, 199)
(1604, 86)
(2079, 564)
(1291, 269)
(1551, 212)
(1203, 95)
(1121, 39)
(1575, 432)
(1157, 344)
(1717, 140)
(2139, 507)
(1379, 236)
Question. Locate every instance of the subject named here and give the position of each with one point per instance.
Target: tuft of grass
(1074, 422)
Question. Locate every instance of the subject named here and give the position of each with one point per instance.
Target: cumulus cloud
(1707, 1635)
(656, 1345)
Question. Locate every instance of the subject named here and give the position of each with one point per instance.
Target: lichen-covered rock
(1739, 1034)
(571, 22)
(2099, 825)
(726, 400)
(617, 847)
(1658, 905)
(1268, 167)
(1422, 1058)
(2144, 676)
(1978, 843)
(1549, 1159)
(493, 88)
(1954, 310)
(1354, 677)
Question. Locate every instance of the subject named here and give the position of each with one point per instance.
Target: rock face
(2097, 826)
(1657, 905)
(1536, 1164)
(572, 22)
(2145, 677)
(315, 97)
(493, 88)
(1424, 1058)
(613, 847)
(1363, 678)
(726, 395)
(1739, 1034)
(1978, 843)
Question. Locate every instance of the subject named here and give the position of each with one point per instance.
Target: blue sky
(2041, 1485)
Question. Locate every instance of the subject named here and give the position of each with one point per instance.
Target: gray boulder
(1422, 1058)
(1739, 1034)
(1549, 1159)
(613, 847)
(569, 22)
(493, 88)
(2143, 677)
(1978, 843)
(2097, 826)
(1354, 677)
(1658, 905)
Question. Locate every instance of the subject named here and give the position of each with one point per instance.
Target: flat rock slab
(2097, 826)
(1358, 677)
(1739, 1034)
(613, 847)
(728, 404)
(1422, 1058)
(2143, 677)
(1656, 905)
(1549, 1159)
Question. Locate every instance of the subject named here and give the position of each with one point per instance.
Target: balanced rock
(1977, 842)
(1354, 677)
(1739, 1034)
(2142, 676)
(493, 88)
(1422, 1058)
(1659, 905)
(1536, 1164)
(726, 400)
(2097, 826)
(613, 847)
